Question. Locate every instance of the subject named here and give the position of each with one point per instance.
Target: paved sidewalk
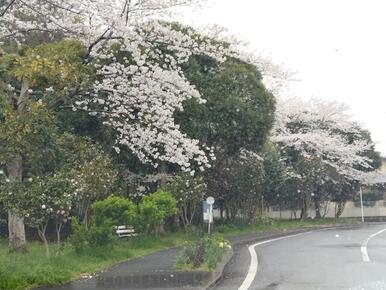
(155, 271)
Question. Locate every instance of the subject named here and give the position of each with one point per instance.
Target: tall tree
(237, 115)
(28, 129)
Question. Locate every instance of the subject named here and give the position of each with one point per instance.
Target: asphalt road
(353, 259)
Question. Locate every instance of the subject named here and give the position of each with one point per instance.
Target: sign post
(361, 196)
(208, 211)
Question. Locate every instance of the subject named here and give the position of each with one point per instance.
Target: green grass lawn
(23, 271)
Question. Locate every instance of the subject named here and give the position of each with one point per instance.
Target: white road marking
(365, 254)
(252, 271)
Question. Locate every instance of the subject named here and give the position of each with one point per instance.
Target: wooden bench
(125, 231)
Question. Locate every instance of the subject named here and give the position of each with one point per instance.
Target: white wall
(350, 210)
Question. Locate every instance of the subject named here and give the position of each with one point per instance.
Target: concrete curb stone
(218, 272)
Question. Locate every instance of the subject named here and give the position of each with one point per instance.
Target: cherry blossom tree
(321, 144)
(323, 130)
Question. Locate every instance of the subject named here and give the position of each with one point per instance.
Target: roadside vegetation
(203, 254)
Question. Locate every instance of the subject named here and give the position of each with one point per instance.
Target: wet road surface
(325, 259)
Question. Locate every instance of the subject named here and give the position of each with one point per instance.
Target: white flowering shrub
(189, 192)
(40, 200)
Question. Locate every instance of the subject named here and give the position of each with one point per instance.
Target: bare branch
(24, 31)
(7, 7)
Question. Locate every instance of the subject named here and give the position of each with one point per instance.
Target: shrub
(100, 235)
(79, 237)
(207, 252)
(113, 211)
(83, 238)
(154, 209)
(106, 214)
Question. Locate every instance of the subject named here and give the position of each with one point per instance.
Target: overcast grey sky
(337, 47)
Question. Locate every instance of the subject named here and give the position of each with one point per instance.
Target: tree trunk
(227, 213)
(222, 212)
(340, 209)
(16, 229)
(318, 215)
(160, 230)
(58, 227)
(17, 241)
(183, 218)
(305, 207)
(325, 208)
(163, 172)
(42, 234)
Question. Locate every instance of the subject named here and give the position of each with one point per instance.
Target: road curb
(218, 272)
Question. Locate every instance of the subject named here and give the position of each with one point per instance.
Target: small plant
(206, 253)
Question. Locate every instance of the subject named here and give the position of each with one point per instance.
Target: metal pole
(210, 218)
(360, 193)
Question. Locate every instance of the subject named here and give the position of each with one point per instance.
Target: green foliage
(275, 174)
(189, 192)
(154, 209)
(106, 214)
(31, 134)
(95, 236)
(206, 253)
(79, 237)
(238, 114)
(40, 199)
(114, 211)
(92, 171)
(57, 64)
(224, 228)
(239, 111)
(100, 235)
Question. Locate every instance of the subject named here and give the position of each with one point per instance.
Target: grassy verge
(23, 271)
(230, 230)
